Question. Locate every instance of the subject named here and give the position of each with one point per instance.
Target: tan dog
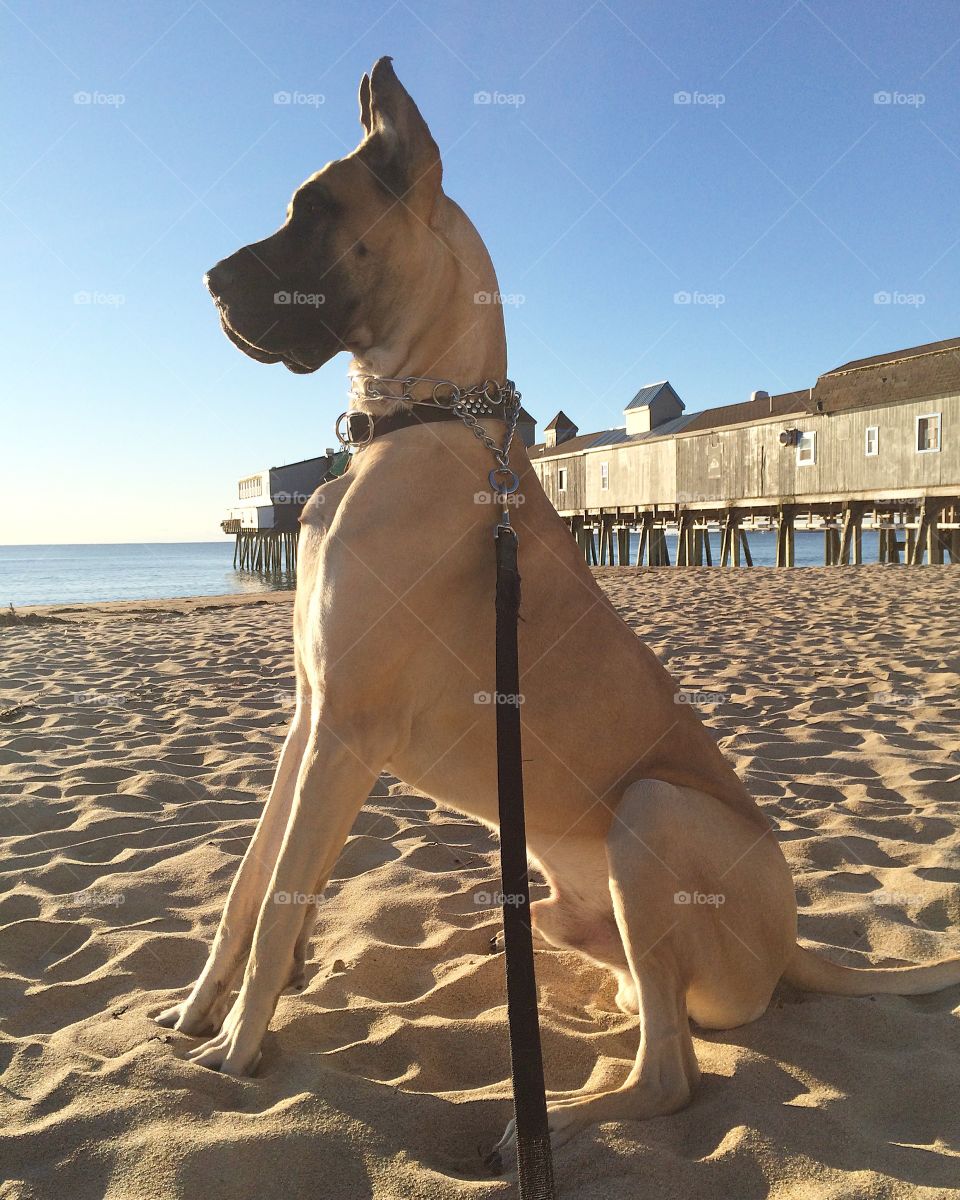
(630, 804)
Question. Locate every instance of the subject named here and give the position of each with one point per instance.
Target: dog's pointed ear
(402, 152)
(365, 119)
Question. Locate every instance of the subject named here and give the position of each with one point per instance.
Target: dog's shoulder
(321, 508)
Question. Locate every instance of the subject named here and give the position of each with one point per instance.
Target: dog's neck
(448, 326)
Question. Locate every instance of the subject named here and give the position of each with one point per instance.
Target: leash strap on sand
(534, 1160)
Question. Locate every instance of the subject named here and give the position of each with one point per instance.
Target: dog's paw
(228, 1054)
(502, 1159)
(193, 1019)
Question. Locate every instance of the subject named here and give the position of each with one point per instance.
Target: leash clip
(503, 490)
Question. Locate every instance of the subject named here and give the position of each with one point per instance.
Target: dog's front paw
(194, 1018)
(235, 1050)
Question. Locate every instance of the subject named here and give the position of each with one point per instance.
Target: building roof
(711, 418)
(648, 394)
(902, 375)
(781, 405)
(911, 374)
(299, 463)
(561, 421)
(570, 446)
(897, 356)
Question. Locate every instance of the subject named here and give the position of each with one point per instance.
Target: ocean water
(138, 571)
(145, 571)
(808, 547)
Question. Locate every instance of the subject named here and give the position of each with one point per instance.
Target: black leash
(448, 401)
(534, 1160)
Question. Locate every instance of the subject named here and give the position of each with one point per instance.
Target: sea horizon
(98, 572)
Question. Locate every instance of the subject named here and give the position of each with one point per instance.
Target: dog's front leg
(335, 778)
(206, 1006)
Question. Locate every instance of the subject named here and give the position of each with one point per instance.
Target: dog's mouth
(289, 360)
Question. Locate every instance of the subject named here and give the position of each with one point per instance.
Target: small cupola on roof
(560, 429)
(653, 405)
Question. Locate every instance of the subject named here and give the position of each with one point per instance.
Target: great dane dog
(631, 807)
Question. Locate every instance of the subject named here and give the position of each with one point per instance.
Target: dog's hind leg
(335, 778)
(665, 1073)
(704, 904)
(206, 1006)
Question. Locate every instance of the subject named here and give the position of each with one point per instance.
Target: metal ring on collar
(348, 439)
(451, 400)
(504, 489)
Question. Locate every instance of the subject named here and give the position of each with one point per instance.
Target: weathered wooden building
(876, 440)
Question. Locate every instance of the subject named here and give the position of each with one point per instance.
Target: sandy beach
(137, 743)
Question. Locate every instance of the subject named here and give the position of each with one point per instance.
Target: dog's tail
(811, 973)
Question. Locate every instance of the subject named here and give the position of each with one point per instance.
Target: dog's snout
(218, 278)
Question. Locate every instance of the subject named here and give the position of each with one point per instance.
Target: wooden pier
(266, 551)
(911, 532)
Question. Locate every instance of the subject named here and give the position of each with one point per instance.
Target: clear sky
(781, 201)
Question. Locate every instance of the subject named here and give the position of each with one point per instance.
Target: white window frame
(812, 460)
(875, 430)
(604, 477)
(934, 416)
(561, 479)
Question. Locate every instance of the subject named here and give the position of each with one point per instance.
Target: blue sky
(780, 200)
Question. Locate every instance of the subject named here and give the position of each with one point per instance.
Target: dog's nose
(217, 278)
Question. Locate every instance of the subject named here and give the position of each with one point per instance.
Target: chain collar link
(471, 404)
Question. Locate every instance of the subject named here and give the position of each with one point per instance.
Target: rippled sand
(131, 782)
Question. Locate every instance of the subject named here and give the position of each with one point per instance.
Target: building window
(928, 433)
(562, 479)
(807, 450)
(871, 445)
(251, 486)
(604, 477)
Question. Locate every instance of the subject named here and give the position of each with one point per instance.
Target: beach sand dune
(131, 781)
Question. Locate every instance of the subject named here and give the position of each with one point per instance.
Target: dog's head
(355, 240)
